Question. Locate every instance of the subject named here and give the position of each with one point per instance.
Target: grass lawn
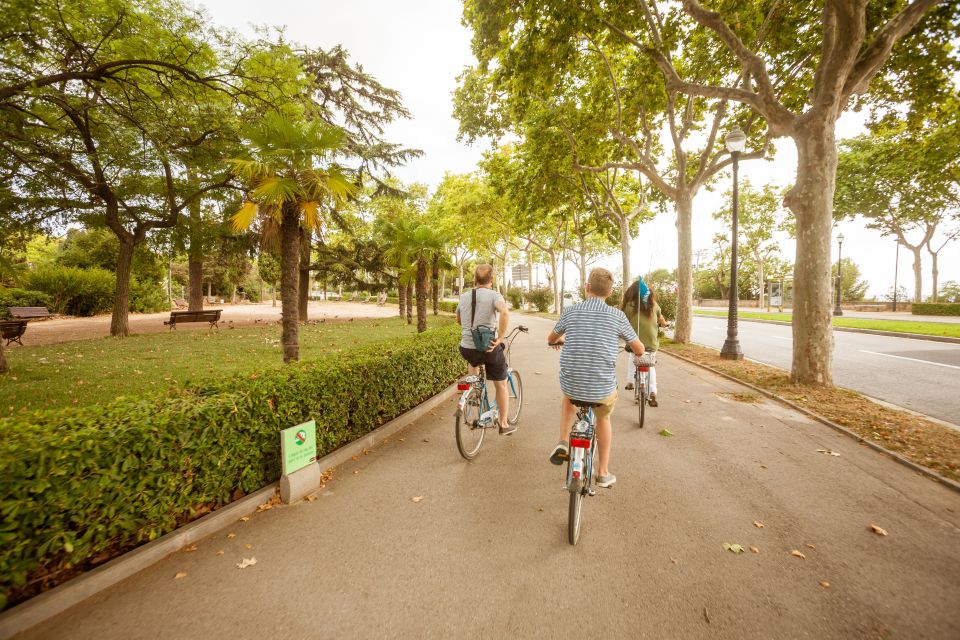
(951, 330)
(88, 372)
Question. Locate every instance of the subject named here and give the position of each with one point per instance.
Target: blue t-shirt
(588, 364)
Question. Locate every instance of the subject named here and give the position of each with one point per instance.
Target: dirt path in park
(235, 315)
(412, 541)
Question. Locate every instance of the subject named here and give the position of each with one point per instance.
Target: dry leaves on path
(798, 554)
(754, 549)
(824, 584)
(416, 498)
(733, 548)
(244, 518)
(828, 452)
(247, 562)
(880, 531)
(809, 546)
(192, 547)
(666, 432)
(758, 525)
(231, 536)
(180, 574)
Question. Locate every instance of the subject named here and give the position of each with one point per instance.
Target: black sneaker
(629, 386)
(653, 400)
(559, 455)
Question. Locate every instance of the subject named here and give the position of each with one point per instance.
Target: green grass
(89, 372)
(901, 326)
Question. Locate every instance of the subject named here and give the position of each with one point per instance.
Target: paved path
(904, 316)
(239, 315)
(917, 374)
(484, 554)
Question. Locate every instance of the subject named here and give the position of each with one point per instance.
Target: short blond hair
(601, 282)
(483, 274)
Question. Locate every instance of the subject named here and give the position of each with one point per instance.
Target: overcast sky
(419, 47)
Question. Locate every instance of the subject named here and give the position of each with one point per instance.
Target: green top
(646, 327)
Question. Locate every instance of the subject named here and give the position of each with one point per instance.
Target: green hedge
(21, 298)
(94, 482)
(936, 309)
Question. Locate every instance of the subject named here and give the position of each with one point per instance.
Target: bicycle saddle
(583, 404)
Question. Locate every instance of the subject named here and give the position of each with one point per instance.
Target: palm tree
(399, 236)
(427, 247)
(287, 184)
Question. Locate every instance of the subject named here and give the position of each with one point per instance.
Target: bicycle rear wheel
(515, 386)
(573, 517)
(643, 407)
(469, 435)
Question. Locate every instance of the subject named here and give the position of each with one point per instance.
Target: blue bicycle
(475, 413)
(582, 460)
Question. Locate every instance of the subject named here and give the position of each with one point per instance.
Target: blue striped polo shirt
(588, 363)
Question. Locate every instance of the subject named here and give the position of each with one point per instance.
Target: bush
(147, 297)
(95, 482)
(74, 291)
(515, 296)
(935, 309)
(448, 305)
(541, 297)
(615, 297)
(21, 298)
(668, 303)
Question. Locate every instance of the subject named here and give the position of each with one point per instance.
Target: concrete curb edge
(57, 600)
(876, 332)
(930, 473)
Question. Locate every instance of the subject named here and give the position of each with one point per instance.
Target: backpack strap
(473, 307)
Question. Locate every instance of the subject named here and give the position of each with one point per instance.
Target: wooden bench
(12, 330)
(25, 313)
(180, 304)
(868, 307)
(209, 315)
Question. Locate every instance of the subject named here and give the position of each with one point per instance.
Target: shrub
(147, 296)
(21, 298)
(615, 297)
(515, 296)
(541, 297)
(74, 291)
(668, 303)
(90, 483)
(448, 305)
(935, 309)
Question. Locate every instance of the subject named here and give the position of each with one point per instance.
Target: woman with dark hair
(640, 306)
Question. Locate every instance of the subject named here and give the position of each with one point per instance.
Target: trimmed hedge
(83, 485)
(21, 298)
(936, 309)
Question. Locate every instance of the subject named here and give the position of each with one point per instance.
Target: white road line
(888, 355)
(781, 338)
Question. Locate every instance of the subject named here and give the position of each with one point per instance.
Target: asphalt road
(917, 374)
(484, 553)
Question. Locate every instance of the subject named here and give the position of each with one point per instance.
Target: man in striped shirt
(591, 333)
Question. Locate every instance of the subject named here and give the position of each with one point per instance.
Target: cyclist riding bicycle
(591, 333)
(489, 304)
(643, 312)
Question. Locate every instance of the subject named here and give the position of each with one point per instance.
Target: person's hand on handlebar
(493, 345)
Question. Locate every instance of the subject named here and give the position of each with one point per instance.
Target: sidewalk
(484, 553)
(905, 316)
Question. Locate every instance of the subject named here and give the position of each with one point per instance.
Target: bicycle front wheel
(573, 517)
(469, 435)
(515, 385)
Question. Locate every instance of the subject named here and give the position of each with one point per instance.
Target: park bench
(868, 307)
(180, 303)
(209, 315)
(12, 330)
(25, 313)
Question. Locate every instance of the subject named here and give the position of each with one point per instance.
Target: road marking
(781, 338)
(937, 364)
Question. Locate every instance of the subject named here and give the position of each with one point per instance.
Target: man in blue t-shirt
(591, 332)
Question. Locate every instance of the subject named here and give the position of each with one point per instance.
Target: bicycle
(475, 414)
(582, 458)
(641, 381)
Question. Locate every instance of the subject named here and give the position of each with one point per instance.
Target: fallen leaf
(247, 562)
(180, 574)
(355, 458)
(355, 472)
(754, 549)
(666, 432)
(537, 373)
(674, 561)
(248, 546)
(231, 535)
(824, 584)
(763, 466)
(192, 547)
(798, 554)
(734, 548)
(402, 439)
(810, 546)
(244, 518)
(417, 498)
(828, 452)
(366, 452)
(220, 553)
(758, 525)
(540, 509)
(426, 439)
(880, 531)
(311, 498)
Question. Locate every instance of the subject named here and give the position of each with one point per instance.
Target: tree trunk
(119, 324)
(3, 359)
(435, 284)
(409, 296)
(443, 283)
(917, 274)
(402, 297)
(422, 292)
(290, 280)
(273, 293)
(303, 289)
(811, 200)
(556, 281)
(684, 320)
(529, 280)
(936, 273)
(625, 249)
(196, 283)
(195, 254)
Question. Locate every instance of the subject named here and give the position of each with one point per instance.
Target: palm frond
(311, 217)
(242, 219)
(276, 189)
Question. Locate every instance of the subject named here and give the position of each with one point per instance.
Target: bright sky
(419, 47)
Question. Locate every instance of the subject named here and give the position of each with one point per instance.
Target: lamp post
(736, 141)
(837, 310)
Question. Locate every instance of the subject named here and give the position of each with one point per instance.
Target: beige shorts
(604, 407)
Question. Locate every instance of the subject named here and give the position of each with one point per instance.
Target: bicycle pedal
(591, 492)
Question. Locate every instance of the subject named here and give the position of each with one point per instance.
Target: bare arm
(459, 322)
(502, 323)
(637, 347)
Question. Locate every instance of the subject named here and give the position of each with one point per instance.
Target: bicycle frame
(479, 381)
(582, 444)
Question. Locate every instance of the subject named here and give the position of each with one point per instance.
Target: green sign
(298, 446)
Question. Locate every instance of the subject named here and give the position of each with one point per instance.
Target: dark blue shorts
(494, 361)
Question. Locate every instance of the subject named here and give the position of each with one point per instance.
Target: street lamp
(736, 141)
(837, 310)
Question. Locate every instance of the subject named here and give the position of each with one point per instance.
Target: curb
(876, 332)
(57, 600)
(930, 473)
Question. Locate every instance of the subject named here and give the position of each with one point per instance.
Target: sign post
(298, 453)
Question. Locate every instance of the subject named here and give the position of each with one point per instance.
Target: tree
(852, 288)
(949, 291)
(290, 174)
(268, 266)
